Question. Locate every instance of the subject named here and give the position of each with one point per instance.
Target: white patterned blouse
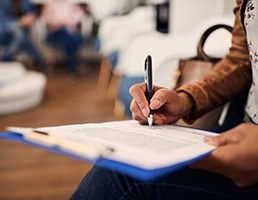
(251, 26)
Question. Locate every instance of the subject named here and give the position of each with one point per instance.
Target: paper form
(134, 144)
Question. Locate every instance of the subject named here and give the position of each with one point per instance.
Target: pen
(149, 85)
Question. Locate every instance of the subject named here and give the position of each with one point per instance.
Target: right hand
(168, 105)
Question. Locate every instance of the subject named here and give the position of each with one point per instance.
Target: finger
(232, 136)
(212, 165)
(245, 178)
(140, 120)
(204, 163)
(138, 93)
(223, 161)
(161, 97)
(137, 112)
(161, 118)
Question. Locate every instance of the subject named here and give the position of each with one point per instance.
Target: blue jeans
(104, 184)
(69, 43)
(14, 39)
(11, 38)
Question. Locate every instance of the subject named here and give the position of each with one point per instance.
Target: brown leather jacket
(228, 78)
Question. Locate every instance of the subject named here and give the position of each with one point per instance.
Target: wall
(186, 14)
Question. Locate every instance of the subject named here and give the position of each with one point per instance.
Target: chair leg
(119, 110)
(104, 74)
(113, 87)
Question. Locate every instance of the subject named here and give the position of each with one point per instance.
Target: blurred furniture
(20, 89)
(114, 60)
(116, 33)
(165, 50)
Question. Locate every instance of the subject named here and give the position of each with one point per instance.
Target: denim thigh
(101, 183)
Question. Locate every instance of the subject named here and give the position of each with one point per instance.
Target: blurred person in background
(16, 19)
(63, 19)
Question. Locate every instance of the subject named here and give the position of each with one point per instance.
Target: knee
(15, 29)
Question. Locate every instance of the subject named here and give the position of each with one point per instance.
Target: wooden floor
(33, 174)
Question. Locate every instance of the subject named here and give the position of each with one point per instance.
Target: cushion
(23, 93)
(10, 71)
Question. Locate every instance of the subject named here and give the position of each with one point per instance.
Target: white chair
(164, 46)
(166, 50)
(117, 32)
(20, 90)
(10, 72)
(102, 9)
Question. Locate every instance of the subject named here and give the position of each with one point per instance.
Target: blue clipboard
(124, 168)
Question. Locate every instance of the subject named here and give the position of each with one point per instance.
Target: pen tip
(150, 120)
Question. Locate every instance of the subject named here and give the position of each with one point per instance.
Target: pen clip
(145, 71)
(148, 73)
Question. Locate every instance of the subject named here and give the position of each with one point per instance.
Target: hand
(168, 105)
(236, 156)
(27, 20)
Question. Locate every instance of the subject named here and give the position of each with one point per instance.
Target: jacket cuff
(200, 100)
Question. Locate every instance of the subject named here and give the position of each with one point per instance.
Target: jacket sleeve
(228, 78)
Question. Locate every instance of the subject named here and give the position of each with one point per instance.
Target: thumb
(225, 138)
(161, 97)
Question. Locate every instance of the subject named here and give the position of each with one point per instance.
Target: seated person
(231, 171)
(63, 18)
(16, 19)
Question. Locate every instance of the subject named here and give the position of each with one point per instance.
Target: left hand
(236, 156)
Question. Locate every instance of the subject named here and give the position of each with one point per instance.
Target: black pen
(149, 85)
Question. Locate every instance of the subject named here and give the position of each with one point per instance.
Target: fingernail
(208, 140)
(145, 112)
